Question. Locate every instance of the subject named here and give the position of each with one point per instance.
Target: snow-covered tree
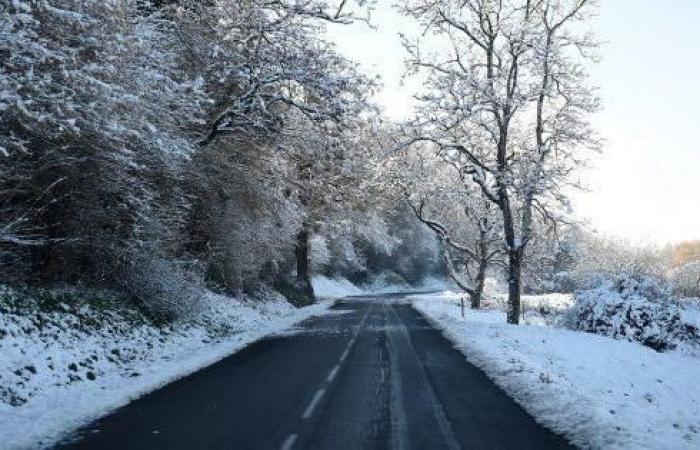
(84, 88)
(170, 130)
(507, 100)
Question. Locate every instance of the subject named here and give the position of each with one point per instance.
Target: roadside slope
(62, 369)
(596, 391)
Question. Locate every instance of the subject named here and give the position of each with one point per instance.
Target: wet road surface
(371, 374)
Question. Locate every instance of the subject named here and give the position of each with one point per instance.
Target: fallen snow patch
(331, 288)
(599, 392)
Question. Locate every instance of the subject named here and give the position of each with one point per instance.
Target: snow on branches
(507, 102)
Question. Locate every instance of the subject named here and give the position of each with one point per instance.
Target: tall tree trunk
(514, 258)
(514, 247)
(514, 281)
(302, 258)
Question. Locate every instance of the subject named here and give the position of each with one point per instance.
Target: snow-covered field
(600, 392)
(61, 369)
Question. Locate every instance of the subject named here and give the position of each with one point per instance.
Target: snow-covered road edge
(52, 417)
(597, 392)
(502, 377)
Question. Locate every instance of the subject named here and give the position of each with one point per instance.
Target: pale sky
(646, 184)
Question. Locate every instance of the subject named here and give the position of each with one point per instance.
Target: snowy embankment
(599, 392)
(64, 367)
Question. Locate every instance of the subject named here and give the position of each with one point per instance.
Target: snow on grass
(62, 369)
(599, 392)
(544, 309)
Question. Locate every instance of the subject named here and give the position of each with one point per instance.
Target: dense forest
(156, 147)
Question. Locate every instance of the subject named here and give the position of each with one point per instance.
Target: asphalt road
(373, 374)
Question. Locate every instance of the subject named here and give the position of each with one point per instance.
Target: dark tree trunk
(483, 264)
(302, 256)
(514, 281)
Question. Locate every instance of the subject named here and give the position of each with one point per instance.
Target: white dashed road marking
(309, 411)
(334, 372)
(314, 402)
(289, 442)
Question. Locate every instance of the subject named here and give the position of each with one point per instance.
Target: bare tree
(507, 101)
(467, 226)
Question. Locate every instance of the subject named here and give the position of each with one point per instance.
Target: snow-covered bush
(163, 288)
(634, 309)
(97, 114)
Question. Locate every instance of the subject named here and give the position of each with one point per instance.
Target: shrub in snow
(564, 282)
(167, 291)
(635, 309)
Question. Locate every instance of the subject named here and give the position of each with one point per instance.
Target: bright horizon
(644, 185)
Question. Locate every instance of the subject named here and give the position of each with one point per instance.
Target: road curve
(372, 374)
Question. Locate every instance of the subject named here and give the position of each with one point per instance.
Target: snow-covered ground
(600, 392)
(339, 287)
(61, 369)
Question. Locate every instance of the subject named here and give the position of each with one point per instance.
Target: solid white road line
(289, 442)
(314, 402)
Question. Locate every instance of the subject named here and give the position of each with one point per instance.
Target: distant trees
(686, 279)
(466, 225)
(686, 252)
(507, 101)
(615, 257)
(365, 229)
(574, 258)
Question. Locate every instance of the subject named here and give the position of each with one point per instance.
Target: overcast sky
(646, 185)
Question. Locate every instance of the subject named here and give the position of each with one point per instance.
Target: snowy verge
(60, 370)
(599, 392)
